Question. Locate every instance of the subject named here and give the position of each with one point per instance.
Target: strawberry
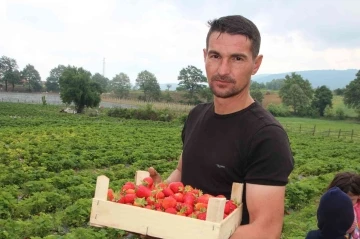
(129, 198)
(201, 207)
(220, 196)
(204, 198)
(167, 192)
(128, 185)
(130, 191)
(139, 202)
(176, 187)
(161, 185)
(121, 200)
(189, 198)
(143, 192)
(230, 206)
(148, 182)
(168, 202)
(171, 210)
(187, 209)
(150, 200)
(202, 216)
(159, 195)
(110, 195)
(179, 197)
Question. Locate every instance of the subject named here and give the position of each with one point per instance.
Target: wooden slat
(215, 209)
(102, 186)
(151, 222)
(237, 192)
(231, 222)
(140, 175)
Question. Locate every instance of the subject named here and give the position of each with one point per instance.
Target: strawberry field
(49, 162)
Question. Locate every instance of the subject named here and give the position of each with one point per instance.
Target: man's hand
(155, 175)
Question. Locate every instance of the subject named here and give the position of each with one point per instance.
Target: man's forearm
(175, 176)
(251, 231)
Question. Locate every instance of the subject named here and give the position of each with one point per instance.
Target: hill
(331, 78)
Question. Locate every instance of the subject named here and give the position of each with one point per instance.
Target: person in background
(335, 215)
(349, 183)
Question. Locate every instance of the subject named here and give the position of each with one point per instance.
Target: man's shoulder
(200, 108)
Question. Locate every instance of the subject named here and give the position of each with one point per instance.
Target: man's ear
(257, 64)
(205, 54)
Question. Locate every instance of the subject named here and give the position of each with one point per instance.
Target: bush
(328, 112)
(340, 113)
(278, 110)
(145, 113)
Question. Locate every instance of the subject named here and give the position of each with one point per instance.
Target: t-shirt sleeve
(270, 160)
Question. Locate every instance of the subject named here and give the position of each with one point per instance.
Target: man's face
(229, 64)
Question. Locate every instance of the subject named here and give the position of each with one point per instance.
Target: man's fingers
(152, 171)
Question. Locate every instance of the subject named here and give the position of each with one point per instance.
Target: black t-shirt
(248, 146)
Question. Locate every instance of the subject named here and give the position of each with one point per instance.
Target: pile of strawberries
(174, 198)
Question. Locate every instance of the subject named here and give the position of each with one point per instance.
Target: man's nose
(224, 67)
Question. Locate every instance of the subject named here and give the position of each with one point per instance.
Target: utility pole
(104, 67)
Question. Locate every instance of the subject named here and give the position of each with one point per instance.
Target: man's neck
(233, 104)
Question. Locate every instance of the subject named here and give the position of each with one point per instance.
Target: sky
(164, 36)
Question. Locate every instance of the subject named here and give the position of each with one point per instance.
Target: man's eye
(214, 56)
(238, 58)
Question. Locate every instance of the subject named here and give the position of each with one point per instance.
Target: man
(233, 139)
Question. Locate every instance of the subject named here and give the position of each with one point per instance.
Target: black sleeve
(270, 160)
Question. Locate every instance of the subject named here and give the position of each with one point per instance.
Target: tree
(121, 85)
(339, 91)
(168, 86)
(77, 87)
(190, 79)
(275, 84)
(352, 94)
(7, 68)
(147, 82)
(296, 92)
(32, 77)
(12, 77)
(322, 98)
(52, 82)
(257, 95)
(102, 80)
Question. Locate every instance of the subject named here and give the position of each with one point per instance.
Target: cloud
(165, 36)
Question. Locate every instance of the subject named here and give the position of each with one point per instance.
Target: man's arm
(175, 176)
(266, 211)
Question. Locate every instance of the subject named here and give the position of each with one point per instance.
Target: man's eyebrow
(232, 55)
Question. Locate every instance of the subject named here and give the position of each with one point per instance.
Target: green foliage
(278, 110)
(52, 82)
(102, 81)
(296, 92)
(147, 82)
(121, 85)
(275, 84)
(146, 113)
(9, 71)
(190, 79)
(257, 95)
(352, 94)
(32, 76)
(49, 163)
(77, 87)
(322, 98)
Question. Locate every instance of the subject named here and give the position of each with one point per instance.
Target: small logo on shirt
(220, 166)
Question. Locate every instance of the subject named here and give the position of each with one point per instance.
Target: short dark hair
(348, 182)
(236, 24)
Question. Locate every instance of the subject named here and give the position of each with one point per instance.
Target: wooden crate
(144, 221)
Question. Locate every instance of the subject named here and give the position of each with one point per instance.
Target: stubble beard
(223, 92)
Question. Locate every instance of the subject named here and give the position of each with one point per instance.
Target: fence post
(329, 133)
(339, 133)
(300, 128)
(352, 134)
(314, 130)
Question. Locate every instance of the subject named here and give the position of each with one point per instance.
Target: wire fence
(314, 131)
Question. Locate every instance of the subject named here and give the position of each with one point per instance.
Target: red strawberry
(179, 197)
(171, 210)
(230, 206)
(121, 200)
(129, 198)
(159, 195)
(204, 198)
(139, 202)
(150, 200)
(143, 192)
(220, 196)
(110, 195)
(201, 207)
(167, 192)
(187, 209)
(168, 202)
(128, 185)
(189, 198)
(202, 216)
(176, 187)
(130, 191)
(148, 182)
